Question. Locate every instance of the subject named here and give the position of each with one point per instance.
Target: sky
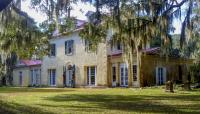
(79, 11)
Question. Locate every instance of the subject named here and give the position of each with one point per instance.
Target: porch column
(109, 74)
(118, 74)
(130, 75)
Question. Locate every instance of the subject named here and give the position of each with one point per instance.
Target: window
(114, 73)
(69, 47)
(119, 46)
(134, 72)
(20, 78)
(88, 46)
(35, 77)
(91, 75)
(124, 74)
(52, 49)
(52, 77)
(160, 75)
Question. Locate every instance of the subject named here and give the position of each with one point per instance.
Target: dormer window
(69, 47)
(52, 49)
(119, 46)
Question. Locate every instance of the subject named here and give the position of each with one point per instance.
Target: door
(69, 78)
(160, 75)
(124, 75)
(52, 77)
(91, 76)
(20, 78)
(37, 77)
(114, 75)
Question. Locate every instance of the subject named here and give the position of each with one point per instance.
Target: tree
(20, 38)
(136, 22)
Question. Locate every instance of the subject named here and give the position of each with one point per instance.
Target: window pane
(134, 72)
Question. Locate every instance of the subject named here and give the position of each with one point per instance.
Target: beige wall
(80, 58)
(25, 76)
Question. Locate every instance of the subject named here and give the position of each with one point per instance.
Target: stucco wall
(25, 76)
(80, 59)
(149, 64)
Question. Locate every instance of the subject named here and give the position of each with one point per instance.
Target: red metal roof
(31, 62)
(151, 51)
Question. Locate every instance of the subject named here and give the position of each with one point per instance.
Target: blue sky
(79, 11)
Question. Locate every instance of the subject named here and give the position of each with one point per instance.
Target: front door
(114, 75)
(69, 78)
(52, 77)
(124, 75)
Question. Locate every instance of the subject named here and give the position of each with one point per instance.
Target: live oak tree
(20, 38)
(135, 22)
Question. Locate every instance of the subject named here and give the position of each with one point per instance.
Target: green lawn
(112, 101)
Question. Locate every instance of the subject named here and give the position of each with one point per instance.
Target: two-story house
(72, 64)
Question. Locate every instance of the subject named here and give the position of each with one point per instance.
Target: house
(154, 70)
(27, 73)
(72, 64)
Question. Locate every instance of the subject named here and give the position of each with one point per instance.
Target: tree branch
(174, 6)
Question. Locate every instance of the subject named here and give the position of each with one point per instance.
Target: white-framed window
(52, 77)
(160, 75)
(35, 77)
(123, 74)
(91, 75)
(52, 49)
(134, 72)
(69, 47)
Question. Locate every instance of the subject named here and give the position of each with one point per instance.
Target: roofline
(67, 33)
(25, 66)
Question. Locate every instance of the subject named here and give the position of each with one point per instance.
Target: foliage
(20, 38)
(20, 34)
(54, 10)
(135, 23)
(191, 49)
(195, 71)
(93, 34)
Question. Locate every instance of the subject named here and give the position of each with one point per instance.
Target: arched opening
(69, 76)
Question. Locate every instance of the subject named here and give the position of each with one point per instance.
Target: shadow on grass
(25, 89)
(128, 103)
(14, 108)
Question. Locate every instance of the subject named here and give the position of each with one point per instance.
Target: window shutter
(157, 76)
(72, 46)
(65, 47)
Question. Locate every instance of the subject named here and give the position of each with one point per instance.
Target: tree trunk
(139, 77)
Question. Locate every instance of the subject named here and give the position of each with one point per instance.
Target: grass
(98, 101)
